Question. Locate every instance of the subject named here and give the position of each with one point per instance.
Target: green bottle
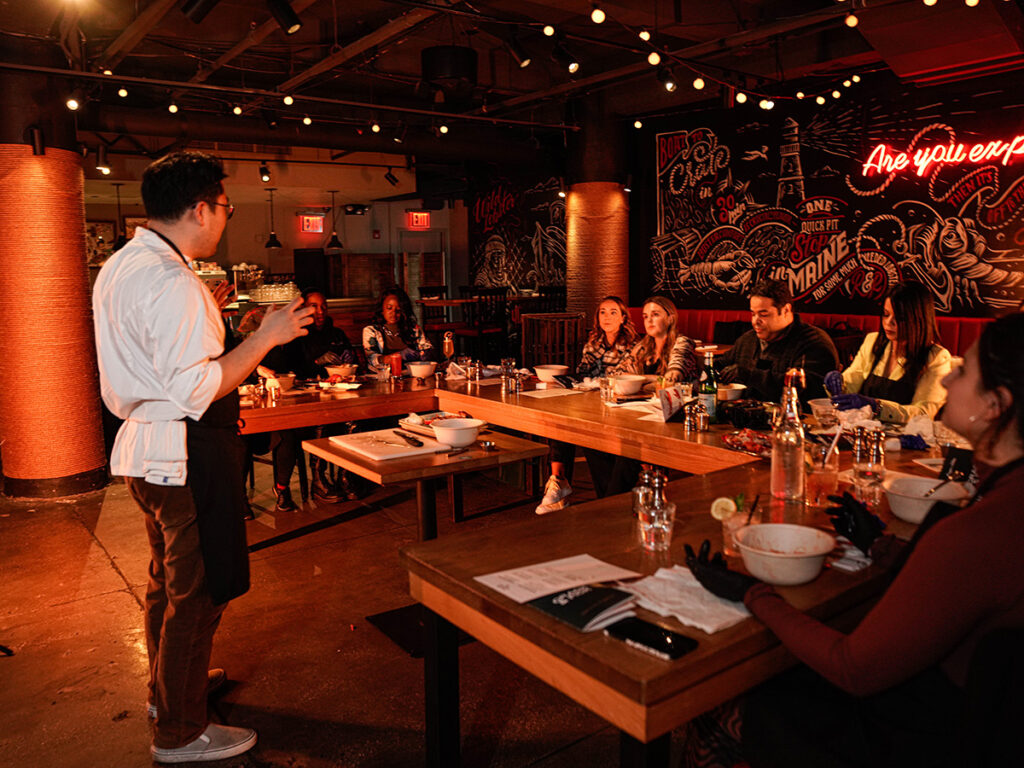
(708, 393)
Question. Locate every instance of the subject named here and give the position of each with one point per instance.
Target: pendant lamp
(334, 244)
(120, 241)
(272, 241)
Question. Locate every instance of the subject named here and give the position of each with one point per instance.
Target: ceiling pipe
(481, 144)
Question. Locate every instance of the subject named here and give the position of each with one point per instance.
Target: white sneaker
(217, 742)
(556, 494)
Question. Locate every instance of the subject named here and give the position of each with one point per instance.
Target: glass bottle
(708, 393)
(787, 472)
(642, 492)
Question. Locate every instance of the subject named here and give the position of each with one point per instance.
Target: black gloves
(853, 520)
(714, 575)
(731, 373)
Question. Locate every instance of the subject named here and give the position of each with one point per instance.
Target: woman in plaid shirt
(663, 351)
(609, 342)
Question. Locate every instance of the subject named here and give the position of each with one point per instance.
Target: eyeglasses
(229, 206)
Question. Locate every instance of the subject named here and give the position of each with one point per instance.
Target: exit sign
(417, 219)
(311, 222)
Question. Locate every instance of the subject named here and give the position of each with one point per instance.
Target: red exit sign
(311, 222)
(417, 219)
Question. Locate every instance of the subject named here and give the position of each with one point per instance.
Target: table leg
(637, 754)
(426, 507)
(441, 688)
(455, 497)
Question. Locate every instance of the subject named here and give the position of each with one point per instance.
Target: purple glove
(834, 383)
(913, 443)
(849, 402)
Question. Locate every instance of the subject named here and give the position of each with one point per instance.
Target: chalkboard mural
(844, 202)
(517, 235)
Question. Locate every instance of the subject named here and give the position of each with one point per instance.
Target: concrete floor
(322, 685)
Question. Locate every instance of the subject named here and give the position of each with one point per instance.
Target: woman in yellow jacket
(897, 371)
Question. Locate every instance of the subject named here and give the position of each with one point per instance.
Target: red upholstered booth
(958, 333)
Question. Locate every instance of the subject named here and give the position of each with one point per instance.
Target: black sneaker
(284, 500)
(322, 493)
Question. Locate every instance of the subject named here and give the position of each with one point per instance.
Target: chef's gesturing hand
(282, 325)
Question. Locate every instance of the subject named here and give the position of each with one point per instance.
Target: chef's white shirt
(158, 334)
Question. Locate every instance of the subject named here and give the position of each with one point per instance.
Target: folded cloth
(921, 425)
(852, 559)
(455, 372)
(675, 592)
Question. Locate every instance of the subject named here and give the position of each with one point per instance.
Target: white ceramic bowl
(458, 433)
(906, 496)
(731, 391)
(285, 381)
(784, 554)
(548, 372)
(628, 383)
(422, 370)
(342, 370)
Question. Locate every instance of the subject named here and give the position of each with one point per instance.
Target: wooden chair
(486, 320)
(436, 320)
(553, 338)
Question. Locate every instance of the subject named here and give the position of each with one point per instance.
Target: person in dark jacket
(778, 341)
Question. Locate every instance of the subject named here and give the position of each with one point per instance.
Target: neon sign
(417, 219)
(883, 160)
(311, 222)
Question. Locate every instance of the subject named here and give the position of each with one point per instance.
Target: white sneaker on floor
(217, 742)
(556, 494)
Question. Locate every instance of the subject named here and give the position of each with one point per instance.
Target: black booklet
(587, 608)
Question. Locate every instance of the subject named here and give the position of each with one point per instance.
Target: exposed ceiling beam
(134, 32)
(255, 37)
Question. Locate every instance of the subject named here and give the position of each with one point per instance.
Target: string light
(638, 124)
(698, 84)
(930, 3)
(856, 78)
(820, 100)
(307, 120)
(644, 35)
(122, 92)
(741, 98)
(107, 72)
(970, 3)
(847, 83)
(549, 31)
(236, 110)
(654, 58)
(852, 20)
(596, 14)
(375, 126)
(443, 128)
(172, 108)
(288, 100)
(666, 78)
(836, 94)
(800, 94)
(73, 103)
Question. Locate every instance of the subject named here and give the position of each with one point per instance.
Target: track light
(644, 35)
(272, 241)
(285, 16)
(399, 136)
(196, 10)
(628, 186)
(519, 54)
(264, 173)
(549, 31)
(667, 79)
(390, 178)
(654, 58)
(596, 14)
(561, 54)
(561, 193)
(101, 160)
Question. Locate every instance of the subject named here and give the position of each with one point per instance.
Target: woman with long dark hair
(609, 342)
(394, 329)
(663, 350)
(892, 691)
(897, 371)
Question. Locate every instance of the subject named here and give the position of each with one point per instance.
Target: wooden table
(645, 698)
(425, 468)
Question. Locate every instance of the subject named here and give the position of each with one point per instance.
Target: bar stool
(553, 338)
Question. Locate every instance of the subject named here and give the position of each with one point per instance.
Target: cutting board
(384, 444)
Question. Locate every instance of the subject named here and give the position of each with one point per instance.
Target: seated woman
(394, 329)
(891, 691)
(663, 351)
(899, 371)
(610, 340)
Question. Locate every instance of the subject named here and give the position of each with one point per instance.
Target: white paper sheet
(550, 392)
(675, 592)
(531, 581)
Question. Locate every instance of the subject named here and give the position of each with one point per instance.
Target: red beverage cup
(396, 364)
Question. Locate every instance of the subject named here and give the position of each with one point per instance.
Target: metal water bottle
(787, 473)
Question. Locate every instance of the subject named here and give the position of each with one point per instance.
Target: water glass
(686, 389)
(822, 473)
(730, 526)
(607, 391)
(656, 526)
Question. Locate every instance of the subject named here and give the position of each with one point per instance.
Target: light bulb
(856, 78)
(970, 3)
(307, 120)
(72, 103)
(836, 94)
(820, 99)
(654, 58)
(698, 83)
(852, 20)
(375, 127)
(930, 2)
(574, 67)
(105, 171)
(644, 35)
(122, 92)
(769, 104)
(236, 109)
(561, 193)
(741, 97)
(288, 100)
(800, 94)
(597, 15)
(549, 31)
(443, 128)
(107, 72)
(172, 108)
(847, 83)
(637, 124)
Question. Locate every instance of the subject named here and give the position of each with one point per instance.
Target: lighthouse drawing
(791, 175)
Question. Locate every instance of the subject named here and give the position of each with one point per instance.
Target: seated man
(778, 341)
(306, 357)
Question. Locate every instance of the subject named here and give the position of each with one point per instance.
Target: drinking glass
(607, 393)
(686, 388)
(656, 526)
(730, 526)
(822, 475)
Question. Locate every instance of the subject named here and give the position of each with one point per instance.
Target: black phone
(651, 638)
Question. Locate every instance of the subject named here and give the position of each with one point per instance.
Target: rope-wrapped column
(597, 244)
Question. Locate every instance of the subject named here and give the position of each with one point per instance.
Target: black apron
(216, 478)
(894, 390)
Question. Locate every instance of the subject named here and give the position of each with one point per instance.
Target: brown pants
(180, 616)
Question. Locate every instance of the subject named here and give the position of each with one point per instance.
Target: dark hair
(627, 331)
(1002, 366)
(406, 316)
(645, 347)
(916, 329)
(176, 182)
(776, 290)
(310, 289)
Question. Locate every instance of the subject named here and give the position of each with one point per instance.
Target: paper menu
(533, 581)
